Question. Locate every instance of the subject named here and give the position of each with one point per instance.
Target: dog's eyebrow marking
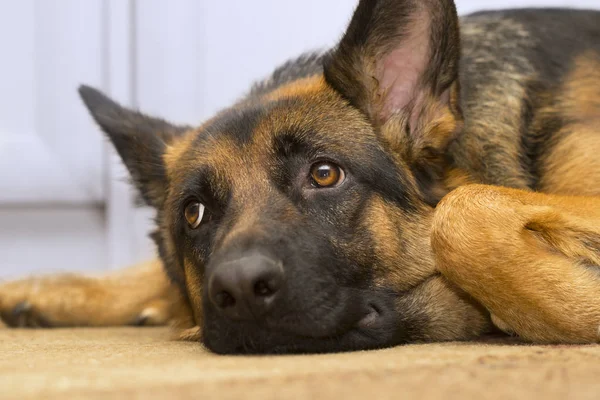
(238, 124)
(203, 179)
(287, 144)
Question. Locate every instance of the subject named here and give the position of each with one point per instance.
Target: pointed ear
(398, 63)
(140, 140)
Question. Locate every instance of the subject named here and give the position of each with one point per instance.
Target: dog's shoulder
(517, 71)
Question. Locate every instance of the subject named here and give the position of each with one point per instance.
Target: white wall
(180, 59)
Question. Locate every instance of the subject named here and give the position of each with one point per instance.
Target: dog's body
(398, 118)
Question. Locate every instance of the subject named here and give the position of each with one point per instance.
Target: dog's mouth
(363, 316)
(363, 319)
(366, 324)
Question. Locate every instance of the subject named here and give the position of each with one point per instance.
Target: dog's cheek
(193, 283)
(438, 311)
(401, 253)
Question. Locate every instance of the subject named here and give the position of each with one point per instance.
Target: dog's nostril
(225, 299)
(369, 320)
(262, 288)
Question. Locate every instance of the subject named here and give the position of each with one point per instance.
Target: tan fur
(531, 259)
(300, 87)
(122, 297)
(175, 150)
(385, 222)
(580, 94)
(193, 282)
(456, 177)
(577, 151)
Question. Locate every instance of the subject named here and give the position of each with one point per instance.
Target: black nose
(245, 288)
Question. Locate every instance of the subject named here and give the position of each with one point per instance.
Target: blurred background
(64, 203)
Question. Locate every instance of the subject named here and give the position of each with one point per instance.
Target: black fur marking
(237, 123)
(559, 35)
(429, 175)
(536, 141)
(529, 156)
(386, 179)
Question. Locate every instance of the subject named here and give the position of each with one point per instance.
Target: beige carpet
(143, 363)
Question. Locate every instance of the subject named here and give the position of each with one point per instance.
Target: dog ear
(398, 63)
(141, 141)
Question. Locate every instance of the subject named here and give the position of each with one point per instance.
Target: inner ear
(399, 76)
(140, 140)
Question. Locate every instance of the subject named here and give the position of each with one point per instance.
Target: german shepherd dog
(411, 184)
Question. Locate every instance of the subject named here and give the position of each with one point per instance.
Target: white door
(51, 156)
(49, 150)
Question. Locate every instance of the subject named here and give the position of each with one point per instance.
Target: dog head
(298, 219)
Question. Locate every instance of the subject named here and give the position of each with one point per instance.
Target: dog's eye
(194, 211)
(326, 174)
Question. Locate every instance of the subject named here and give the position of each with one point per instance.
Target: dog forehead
(242, 139)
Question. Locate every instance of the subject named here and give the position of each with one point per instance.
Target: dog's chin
(370, 324)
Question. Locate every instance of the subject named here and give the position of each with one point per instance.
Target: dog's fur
(472, 191)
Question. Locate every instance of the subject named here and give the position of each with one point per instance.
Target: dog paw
(35, 303)
(152, 316)
(16, 310)
(23, 315)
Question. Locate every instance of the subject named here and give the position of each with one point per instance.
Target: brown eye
(193, 214)
(326, 174)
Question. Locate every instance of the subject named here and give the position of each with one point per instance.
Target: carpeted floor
(143, 363)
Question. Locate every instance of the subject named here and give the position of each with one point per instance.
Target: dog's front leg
(533, 260)
(139, 295)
